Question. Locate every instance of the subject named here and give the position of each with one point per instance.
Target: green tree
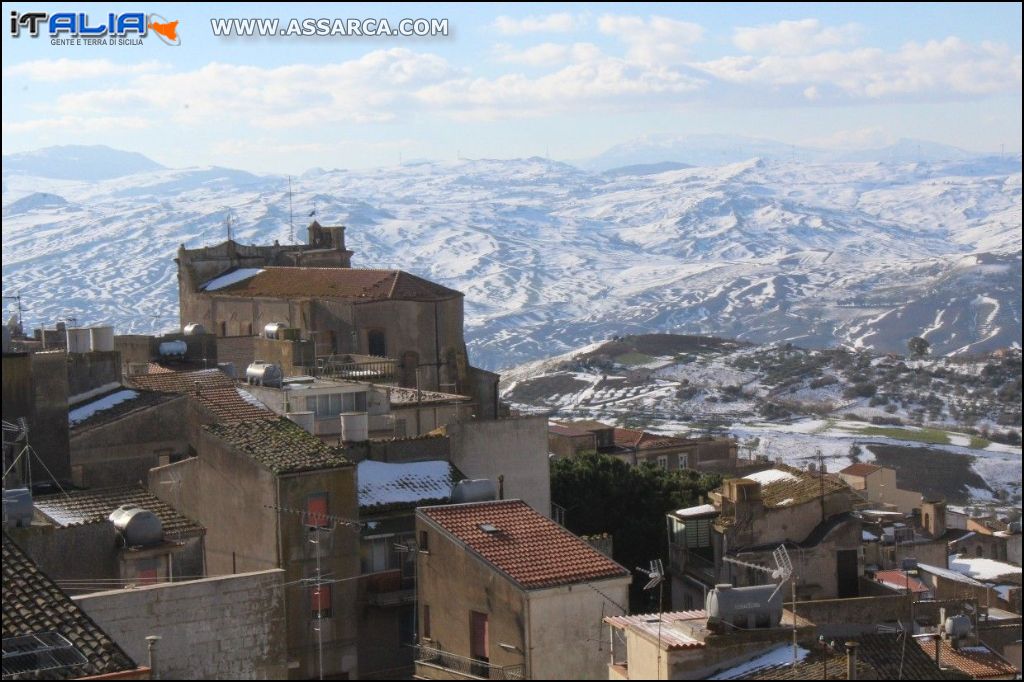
(603, 494)
(918, 347)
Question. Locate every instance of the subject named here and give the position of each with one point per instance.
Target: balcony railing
(359, 368)
(468, 667)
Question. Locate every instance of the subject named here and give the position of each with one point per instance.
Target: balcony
(683, 560)
(454, 666)
(389, 588)
(369, 368)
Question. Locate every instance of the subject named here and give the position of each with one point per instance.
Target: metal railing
(377, 371)
(468, 667)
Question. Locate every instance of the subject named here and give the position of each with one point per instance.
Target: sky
(563, 80)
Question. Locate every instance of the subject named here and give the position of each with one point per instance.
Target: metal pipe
(851, 660)
(151, 642)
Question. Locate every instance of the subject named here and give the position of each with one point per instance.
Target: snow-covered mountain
(552, 257)
(78, 162)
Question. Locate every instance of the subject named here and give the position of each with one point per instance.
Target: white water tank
(304, 419)
(139, 527)
(355, 427)
(194, 329)
(102, 338)
(173, 349)
(79, 340)
(474, 490)
(18, 507)
(264, 374)
(274, 330)
(746, 607)
(958, 626)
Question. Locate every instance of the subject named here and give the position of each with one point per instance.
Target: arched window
(978, 550)
(376, 343)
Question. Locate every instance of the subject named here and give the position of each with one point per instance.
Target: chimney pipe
(851, 660)
(938, 650)
(501, 486)
(197, 388)
(151, 642)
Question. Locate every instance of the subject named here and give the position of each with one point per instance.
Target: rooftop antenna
(291, 215)
(227, 222)
(782, 572)
(656, 578)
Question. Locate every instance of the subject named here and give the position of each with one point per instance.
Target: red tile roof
(979, 662)
(860, 469)
(642, 440)
(900, 581)
(348, 283)
(532, 550)
(210, 387)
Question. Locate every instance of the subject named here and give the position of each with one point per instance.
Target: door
(846, 573)
(478, 636)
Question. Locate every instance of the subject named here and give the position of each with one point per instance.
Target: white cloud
(655, 40)
(938, 68)
(55, 70)
(561, 22)
(76, 124)
(794, 37)
(545, 54)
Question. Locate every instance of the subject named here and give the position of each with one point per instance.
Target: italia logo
(77, 25)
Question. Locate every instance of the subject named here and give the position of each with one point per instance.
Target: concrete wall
(216, 628)
(48, 424)
(516, 448)
(89, 371)
(93, 546)
(239, 350)
(570, 446)
(135, 349)
(123, 451)
(567, 637)
(452, 583)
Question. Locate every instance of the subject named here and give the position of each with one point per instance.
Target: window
(978, 551)
(376, 343)
(375, 554)
(478, 636)
(663, 462)
(423, 541)
(684, 461)
(426, 622)
(316, 511)
(320, 601)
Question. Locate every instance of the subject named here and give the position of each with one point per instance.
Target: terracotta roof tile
(33, 605)
(861, 469)
(347, 283)
(280, 445)
(532, 550)
(211, 388)
(82, 507)
(900, 581)
(979, 662)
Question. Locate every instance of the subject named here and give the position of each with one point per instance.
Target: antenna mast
(291, 215)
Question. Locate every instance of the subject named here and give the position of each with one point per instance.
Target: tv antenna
(291, 214)
(782, 572)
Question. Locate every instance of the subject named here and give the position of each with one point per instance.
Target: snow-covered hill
(552, 257)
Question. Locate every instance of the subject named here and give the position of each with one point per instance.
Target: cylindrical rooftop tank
(79, 340)
(274, 330)
(474, 490)
(755, 605)
(18, 507)
(102, 338)
(194, 329)
(304, 419)
(958, 626)
(138, 527)
(355, 427)
(264, 374)
(173, 349)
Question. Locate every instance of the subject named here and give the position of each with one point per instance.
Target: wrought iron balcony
(468, 668)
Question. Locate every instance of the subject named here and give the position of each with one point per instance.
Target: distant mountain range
(552, 256)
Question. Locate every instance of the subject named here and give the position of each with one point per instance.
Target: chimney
(197, 388)
(151, 641)
(938, 649)
(851, 660)
(501, 486)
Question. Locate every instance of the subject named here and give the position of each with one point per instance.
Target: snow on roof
(699, 510)
(83, 412)
(770, 476)
(868, 537)
(949, 575)
(780, 655)
(981, 569)
(383, 483)
(230, 278)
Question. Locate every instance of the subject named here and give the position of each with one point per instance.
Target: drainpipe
(151, 642)
(851, 660)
